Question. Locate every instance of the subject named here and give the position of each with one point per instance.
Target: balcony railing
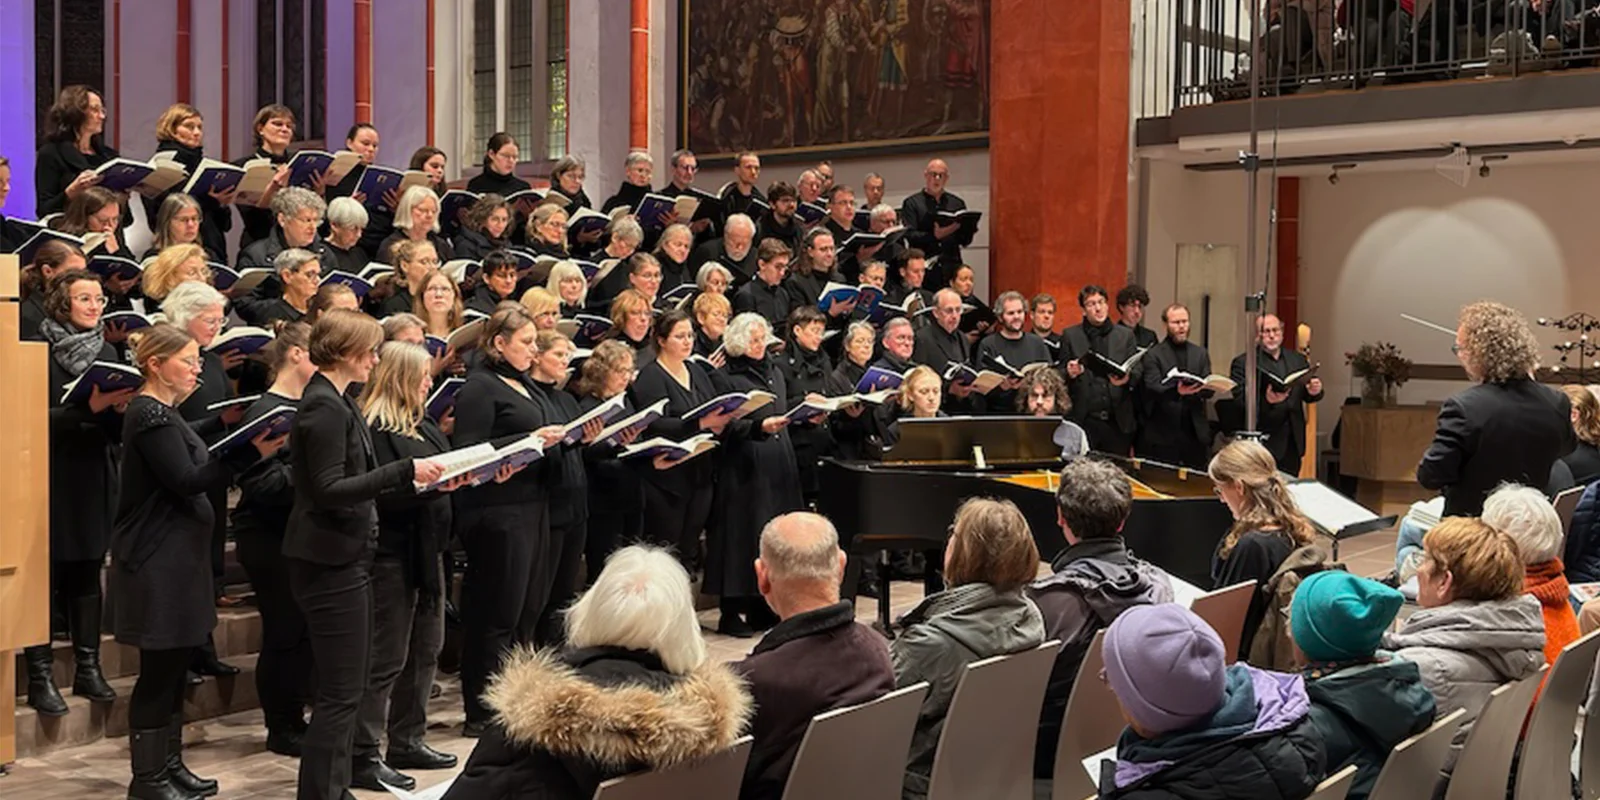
(1192, 52)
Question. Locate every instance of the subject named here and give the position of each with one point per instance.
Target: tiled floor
(231, 749)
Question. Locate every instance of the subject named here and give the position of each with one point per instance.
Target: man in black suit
(920, 215)
(1131, 302)
(1101, 401)
(734, 250)
(1280, 411)
(1173, 429)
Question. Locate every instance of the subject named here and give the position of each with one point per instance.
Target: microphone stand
(1251, 159)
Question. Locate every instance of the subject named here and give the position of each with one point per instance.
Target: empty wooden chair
(1412, 770)
(1484, 767)
(714, 778)
(1093, 722)
(1224, 610)
(1335, 786)
(986, 748)
(857, 753)
(1545, 769)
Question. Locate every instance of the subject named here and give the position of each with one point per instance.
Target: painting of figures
(798, 75)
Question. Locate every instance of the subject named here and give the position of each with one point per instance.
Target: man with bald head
(816, 659)
(920, 216)
(1280, 411)
(942, 344)
(735, 249)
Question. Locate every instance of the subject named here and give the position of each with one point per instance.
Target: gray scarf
(73, 349)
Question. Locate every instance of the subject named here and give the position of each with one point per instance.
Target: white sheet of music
(1327, 509)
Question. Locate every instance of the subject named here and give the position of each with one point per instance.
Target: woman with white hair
(567, 283)
(638, 169)
(347, 222)
(633, 690)
(625, 237)
(757, 479)
(1526, 515)
(416, 219)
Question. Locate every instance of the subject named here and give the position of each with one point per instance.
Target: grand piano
(907, 500)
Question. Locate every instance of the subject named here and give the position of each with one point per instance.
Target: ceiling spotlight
(1333, 177)
(1485, 161)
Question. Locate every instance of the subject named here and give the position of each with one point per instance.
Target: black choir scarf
(504, 369)
(73, 349)
(189, 157)
(1097, 333)
(808, 365)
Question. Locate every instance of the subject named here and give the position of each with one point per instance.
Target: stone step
(238, 633)
(87, 722)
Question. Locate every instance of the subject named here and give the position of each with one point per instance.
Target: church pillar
(639, 89)
(1058, 147)
(363, 62)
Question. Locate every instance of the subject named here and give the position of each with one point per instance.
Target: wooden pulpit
(24, 498)
(1381, 447)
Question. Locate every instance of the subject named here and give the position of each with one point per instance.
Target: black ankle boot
(88, 680)
(179, 774)
(42, 693)
(148, 752)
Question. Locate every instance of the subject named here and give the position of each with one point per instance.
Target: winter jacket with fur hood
(566, 722)
(1464, 650)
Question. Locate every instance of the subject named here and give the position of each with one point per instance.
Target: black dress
(569, 515)
(616, 498)
(677, 500)
(756, 480)
(160, 579)
(808, 372)
(475, 245)
(57, 165)
(83, 471)
(257, 222)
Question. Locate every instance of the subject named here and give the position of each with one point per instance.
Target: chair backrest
(1093, 722)
(1225, 609)
(1335, 786)
(715, 777)
(1566, 502)
(858, 753)
(1485, 761)
(986, 747)
(1546, 765)
(1412, 770)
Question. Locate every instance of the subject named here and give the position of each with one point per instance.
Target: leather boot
(179, 774)
(148, 750)
(88, 680)
(42, 693)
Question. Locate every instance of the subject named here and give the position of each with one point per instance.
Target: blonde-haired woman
(637, 665)
(988, 561)
(413, 260)
(567, 283)
(1584, 460)
(543, 307)
(407, 571)
(172, 266)
(547, 234)
(1267, 525)
(416, 219)
(160, 576)
(181, 132)
(631, 318)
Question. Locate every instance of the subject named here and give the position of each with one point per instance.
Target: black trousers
(677, 522)
(568, 543)
(158, 693)
(219, 536)
(407, 633)
(337, 603)
(607, 532)
(285, 668)
(503, 592)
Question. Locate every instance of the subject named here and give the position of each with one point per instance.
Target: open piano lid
(1009, 440)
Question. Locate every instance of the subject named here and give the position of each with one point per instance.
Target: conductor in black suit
(1507, 428)
(1102, 401)
(1174, 429)
(330, 542)
(1280, 412)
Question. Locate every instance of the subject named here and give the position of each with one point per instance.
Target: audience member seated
(817, 659)
(1584, 460)
(988, 560)
(1527, 517)
(1095, 579)
(1582, 549)
(1270, 543)
(1476, 629)
(634, 690)
(1198, 727)
(1363, 701)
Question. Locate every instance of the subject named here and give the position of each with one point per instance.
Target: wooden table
(1381, 448)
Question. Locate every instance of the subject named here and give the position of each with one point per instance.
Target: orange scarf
(1548, 584)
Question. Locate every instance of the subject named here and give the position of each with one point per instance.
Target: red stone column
(185, 33)
(363, 60)
(639, 82)
(1058, 147)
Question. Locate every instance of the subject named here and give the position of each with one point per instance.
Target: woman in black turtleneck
(499, 177)
(273, 130)
(362, 139)
(807, 371)
(638, 171)
(673, 251)
(180, 131)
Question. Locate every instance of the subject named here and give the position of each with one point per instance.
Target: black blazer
(489, 410)
(1492, 433)
(57, 165)
(336, 479)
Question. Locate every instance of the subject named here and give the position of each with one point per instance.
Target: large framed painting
(832, 76)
